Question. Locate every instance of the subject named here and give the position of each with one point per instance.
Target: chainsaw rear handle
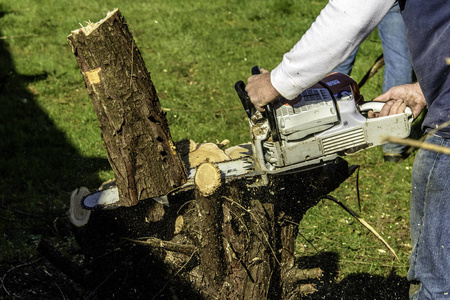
(376, 107)
(250, 108)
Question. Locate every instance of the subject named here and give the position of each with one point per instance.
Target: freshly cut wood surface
(207, 178)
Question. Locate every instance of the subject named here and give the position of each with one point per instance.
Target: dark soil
(128, 273)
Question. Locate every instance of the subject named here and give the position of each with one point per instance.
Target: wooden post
(133, 124)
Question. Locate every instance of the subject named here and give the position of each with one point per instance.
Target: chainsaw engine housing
(322, 123)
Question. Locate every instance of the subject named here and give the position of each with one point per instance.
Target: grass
(195, 51)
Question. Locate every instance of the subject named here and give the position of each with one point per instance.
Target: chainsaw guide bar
(229, 170)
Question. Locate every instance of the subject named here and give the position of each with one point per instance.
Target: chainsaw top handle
(245, 99)
(376, 107)
(250, 108)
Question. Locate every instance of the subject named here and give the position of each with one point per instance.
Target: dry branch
(166, 245)
(363, 222)
(417, 144)
(71, 269)
(295, 274)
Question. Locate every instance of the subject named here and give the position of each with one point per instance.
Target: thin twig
(187, 202)
(308, 241)
(362, 221)
(242, 222)
(202, 110)
(167, 245)
(442, 126)
(18, 212)
(373, 70)
(369, 263)
(20, 36)
(240, 260)
(13, 268)
(420, 141)
(259, 225)
(101, 283)
(179, 270)
(298, 225)
(417, 144)
(62, 294)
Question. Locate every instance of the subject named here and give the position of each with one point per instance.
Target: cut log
(134, 127)
(77, 215)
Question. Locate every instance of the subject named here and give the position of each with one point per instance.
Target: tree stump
(133, 124)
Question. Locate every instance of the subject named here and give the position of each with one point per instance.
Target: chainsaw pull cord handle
(250, 108)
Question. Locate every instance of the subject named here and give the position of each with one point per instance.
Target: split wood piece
(207, 179)
(239, 151)
(133, 124)
(179, 223)
(208, 152)
(307, 288)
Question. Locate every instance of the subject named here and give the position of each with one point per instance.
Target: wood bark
(235, 240)
(133, 124)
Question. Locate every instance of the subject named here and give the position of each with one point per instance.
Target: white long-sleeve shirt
(341, 26)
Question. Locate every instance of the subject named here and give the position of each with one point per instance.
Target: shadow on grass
(354, 286)
(38, 165)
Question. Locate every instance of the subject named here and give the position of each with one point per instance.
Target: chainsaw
(326, 121)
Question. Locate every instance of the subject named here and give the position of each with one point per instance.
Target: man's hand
(260, 90)
(398, 97)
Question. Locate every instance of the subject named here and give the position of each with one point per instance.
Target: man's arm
(338, 30)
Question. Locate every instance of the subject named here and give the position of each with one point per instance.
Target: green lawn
(195, 51)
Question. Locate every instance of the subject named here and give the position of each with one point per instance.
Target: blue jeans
(430, 222)
(398, 69)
